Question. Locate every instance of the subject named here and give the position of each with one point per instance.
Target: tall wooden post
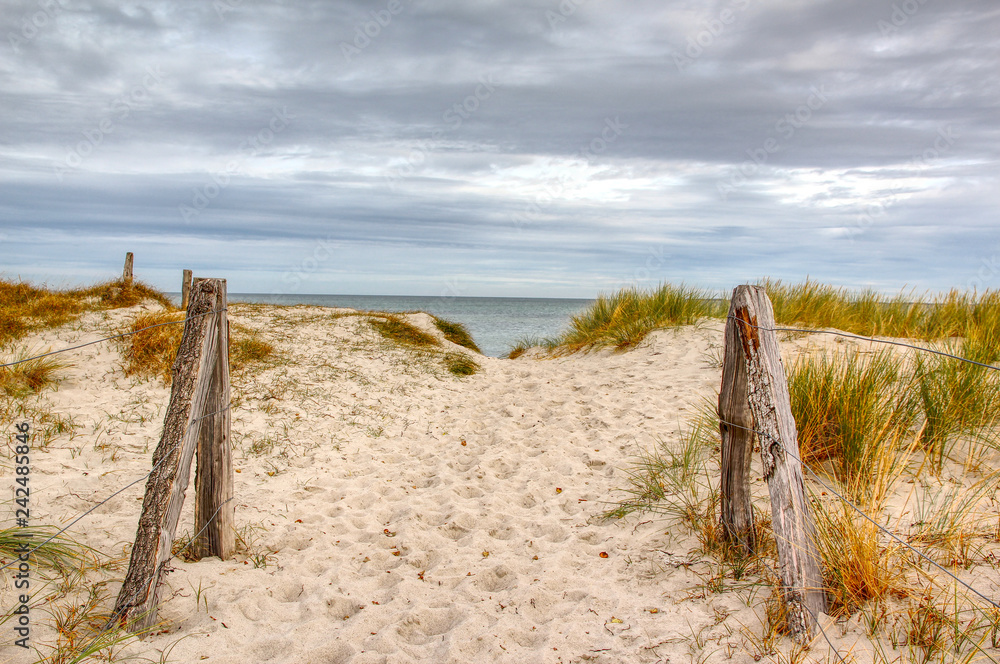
(771, 414)
(127, 270)
(737, 443)
(197, 379)
(185, 288)
(213, 511)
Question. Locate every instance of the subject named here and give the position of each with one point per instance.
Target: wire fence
(81, 516)
(846, 500)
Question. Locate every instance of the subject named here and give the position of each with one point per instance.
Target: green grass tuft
(456, 333)
(461, 364)
(394, 328)
(31, 377)
(623, 320)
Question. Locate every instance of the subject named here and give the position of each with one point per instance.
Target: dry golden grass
(25, 308)
(394, 328)
(151, 347)
(29, 376)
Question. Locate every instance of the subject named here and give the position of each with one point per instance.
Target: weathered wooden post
(200, 388)
(185, 288)
(127, 270)
(749, 333)
(213, 515)
(737, 444)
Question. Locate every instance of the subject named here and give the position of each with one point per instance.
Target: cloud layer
(522, 147)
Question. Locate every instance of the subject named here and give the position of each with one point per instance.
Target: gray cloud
(523, 148)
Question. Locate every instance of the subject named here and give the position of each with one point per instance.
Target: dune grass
(456, 333)
(623, 319)
(460, 364)
(394, 328)
(848, 405)
(151, 347)
(29, 376)
(25, 308)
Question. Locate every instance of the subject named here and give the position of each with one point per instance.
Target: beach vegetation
(623, 319)
(522, 345)
(25, 308)
(395, 328)
(456, 333)
(460, 364)
(149, 350)
(848, 405)
(31, 374)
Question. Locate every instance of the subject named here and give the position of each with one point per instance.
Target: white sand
(402, 514)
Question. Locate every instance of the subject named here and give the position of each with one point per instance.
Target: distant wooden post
(200, 387)
(185, 288)
(127, 270)
(749, 339)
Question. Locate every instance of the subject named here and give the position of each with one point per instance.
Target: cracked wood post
(185, 288)
(736, 513)
(213, 509)
(127, 270)
(193, 378)
(771, 412)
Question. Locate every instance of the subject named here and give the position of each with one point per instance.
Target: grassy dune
(912, 439)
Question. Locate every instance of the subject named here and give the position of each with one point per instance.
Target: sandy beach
(392, 512)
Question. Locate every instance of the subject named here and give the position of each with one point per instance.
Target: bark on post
(737, 444)
(214, 512)
(770, 408)
(127, 270)
(193, 373)
(185, 288)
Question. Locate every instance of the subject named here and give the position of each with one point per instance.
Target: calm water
(496, 323)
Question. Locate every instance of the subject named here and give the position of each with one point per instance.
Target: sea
(496, 323)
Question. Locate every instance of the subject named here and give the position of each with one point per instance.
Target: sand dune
(393, 512)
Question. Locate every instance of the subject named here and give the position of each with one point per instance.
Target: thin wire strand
(868, 518)
(117, 336)
(131, 484)
(871, 339)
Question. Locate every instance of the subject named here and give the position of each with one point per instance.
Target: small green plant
(456, 333)
(460, 364)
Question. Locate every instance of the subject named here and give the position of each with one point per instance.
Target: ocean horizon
(496, 323)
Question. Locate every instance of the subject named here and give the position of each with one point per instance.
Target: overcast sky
(505, 147)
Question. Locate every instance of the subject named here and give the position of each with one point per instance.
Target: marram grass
(623, 319)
